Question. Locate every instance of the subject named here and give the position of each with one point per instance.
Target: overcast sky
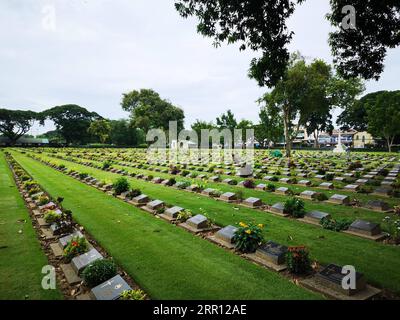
(98, 49)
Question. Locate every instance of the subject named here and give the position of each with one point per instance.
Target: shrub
(239, 195)
(83, 175)
(28, 185)
(171, 182)
(321, 196)
(184, 185)
(121, 185)
(248, 237)
(295, 208)
(298, 260)
(51, 217)
(184, 215)
(185, 173)
(366, 189)
(75, 247)
(43, 200)
(392, 225)
(150, 177)
(355, 165)
(275, 179)
(397, 210)
(135, 193)
(335, 225)
(133, 295)
(249, 184)
(106, 165)
(329, 177)
(271, 187)
(98, 272)
(233, 182)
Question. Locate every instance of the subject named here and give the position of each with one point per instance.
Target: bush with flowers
(133, 295)
(392, 225)
(298, 260)
(248, 237)
(75, 247)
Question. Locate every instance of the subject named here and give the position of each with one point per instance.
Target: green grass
(378, 261)
(166, 261)
(336, 211)
(21, 257)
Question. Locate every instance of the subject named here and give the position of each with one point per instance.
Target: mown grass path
(21, 257)
(378, 261)
(166, 261)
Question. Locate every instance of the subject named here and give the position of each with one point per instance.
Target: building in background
(363, 139)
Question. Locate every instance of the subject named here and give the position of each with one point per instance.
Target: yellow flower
(243, 225)
(261, 226)
(248, 231)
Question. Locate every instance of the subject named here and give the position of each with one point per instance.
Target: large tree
(123, 134)
(149, 111)
(72, 122)
(100, 128)
(227, 121)
(270, 128)
(262, 26)
(383, 114)
(306, 95)
(16, 123)
(361, 50)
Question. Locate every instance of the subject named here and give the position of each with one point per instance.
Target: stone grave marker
(208, 191)
(365, 227)
(226, 234)
(308, 195)
(305, 183)
(64, 240)
(252, 202)
(81, 262)
(282, 191)
(229, 196)
(326, 185)
(278, 208)
(273, 252)
(155, 205)
(316, 216)
(111, 289)
(198, 222)
(261, 187)
(141, 199)
(352, 187)
(339, 199)
(173, 212)
(378, 205)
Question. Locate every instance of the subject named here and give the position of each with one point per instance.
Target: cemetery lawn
(166, 261)
(21, 257)
(379, 262)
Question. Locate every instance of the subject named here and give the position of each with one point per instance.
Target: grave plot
(271, 255)
(224, 237)
(328, 281)
(198, 224)
(366, 229)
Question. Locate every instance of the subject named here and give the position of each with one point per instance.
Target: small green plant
(106, 165)
(184, 215)
(184, 185)
(75, 247)
(248, 237)
(98, 272)
(271, 187)
(335, 225)
(392, 225)
(298, 260)
(43, 200)
(133, 295)
(295, 208)
(121, 185)
(321, 196)
(52, 217)
(83, 175)
(171, 182)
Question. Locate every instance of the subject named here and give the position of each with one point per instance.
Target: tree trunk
(288, 145)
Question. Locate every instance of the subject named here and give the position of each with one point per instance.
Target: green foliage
(75, 247)
(271, 187)
(133, 295)
(392, 225)
(335, 225)
(16, 123)
(295, 208)
(121, 185)
(184, 215)
(106, 164)
(100, 128)
(298, 260)
(149, 111)
(98, 272)
(83, 175)
(248, 237)
(51, 217)
(321, 197)
(72, 122)
(43, 200)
